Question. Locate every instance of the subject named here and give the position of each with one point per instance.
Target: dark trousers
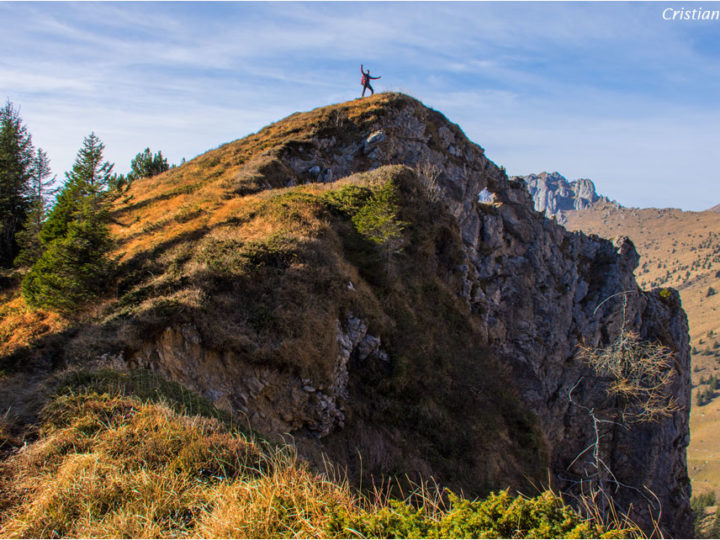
(365, 87)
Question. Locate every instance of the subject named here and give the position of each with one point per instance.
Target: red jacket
(366, 77)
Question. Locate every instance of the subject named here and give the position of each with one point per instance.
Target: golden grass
(148, 214)
(112, 466)
(20, 325)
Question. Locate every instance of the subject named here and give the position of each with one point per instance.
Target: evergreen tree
(146, 164)
(16, 162)
(39, 199)
(90, 178)
(75, 266)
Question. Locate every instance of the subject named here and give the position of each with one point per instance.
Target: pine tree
(90, 178)
(39, 199)
(146, 164)
(74, 268)
(16, 161)
(75, 265)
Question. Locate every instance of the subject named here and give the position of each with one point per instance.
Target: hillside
(131, 455)
(333, 281)
(682, 250)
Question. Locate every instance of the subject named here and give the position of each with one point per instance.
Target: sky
(609, 91)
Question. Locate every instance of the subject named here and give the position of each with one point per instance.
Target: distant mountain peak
(715, 208)
(553, 194)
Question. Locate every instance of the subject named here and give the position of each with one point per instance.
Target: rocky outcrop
(553, 195)
(535, 291)
(273, 402)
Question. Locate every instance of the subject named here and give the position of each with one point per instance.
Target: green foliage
(704, 396)
(377, 219)
(373, 213)
(706, 526)
(670, 297)
(498, 516)
(17, 157)
(74, 267)
(666, 294)
(349, 200)
(61, 215)
(28, 239)
(87, 181)
(146, 164)
(89, 171)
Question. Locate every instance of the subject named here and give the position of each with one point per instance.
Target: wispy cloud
(602, 90)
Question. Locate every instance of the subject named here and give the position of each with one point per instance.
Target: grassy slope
(161, 213)
(127, 455)
(682, 250)
(263, 271)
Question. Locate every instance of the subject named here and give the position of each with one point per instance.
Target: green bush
(348, 200)
(499, 516)
(377, 220)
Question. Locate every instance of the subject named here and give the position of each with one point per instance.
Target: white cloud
(588, 89)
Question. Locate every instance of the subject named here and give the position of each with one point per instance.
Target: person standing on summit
(365, 81)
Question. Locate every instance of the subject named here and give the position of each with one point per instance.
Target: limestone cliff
(452, 353)
(553, 195)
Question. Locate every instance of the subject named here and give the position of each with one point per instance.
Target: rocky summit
(335, 280)
(554, 195)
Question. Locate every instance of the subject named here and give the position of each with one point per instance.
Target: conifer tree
(16, 161)
(146, 164)
(89, 178)
(39, 197)
(75, 265)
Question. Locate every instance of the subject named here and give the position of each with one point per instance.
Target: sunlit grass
(111, 465)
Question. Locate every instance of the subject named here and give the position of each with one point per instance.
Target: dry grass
(112, 466)
(117, 467)
(20, 326)
(159, 209)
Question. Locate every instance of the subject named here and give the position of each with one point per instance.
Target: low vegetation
(127, 455)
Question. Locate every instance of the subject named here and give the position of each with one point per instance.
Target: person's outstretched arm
(376, 77)
(361, 69)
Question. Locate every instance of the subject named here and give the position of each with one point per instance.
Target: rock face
(535, 292)
(552, 194)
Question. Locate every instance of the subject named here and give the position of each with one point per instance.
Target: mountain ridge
(554, 195)
(334, 277)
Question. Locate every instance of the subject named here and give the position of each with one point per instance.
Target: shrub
(641, 373)
(499, 516)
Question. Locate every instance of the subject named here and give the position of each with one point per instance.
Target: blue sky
(608, 91)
